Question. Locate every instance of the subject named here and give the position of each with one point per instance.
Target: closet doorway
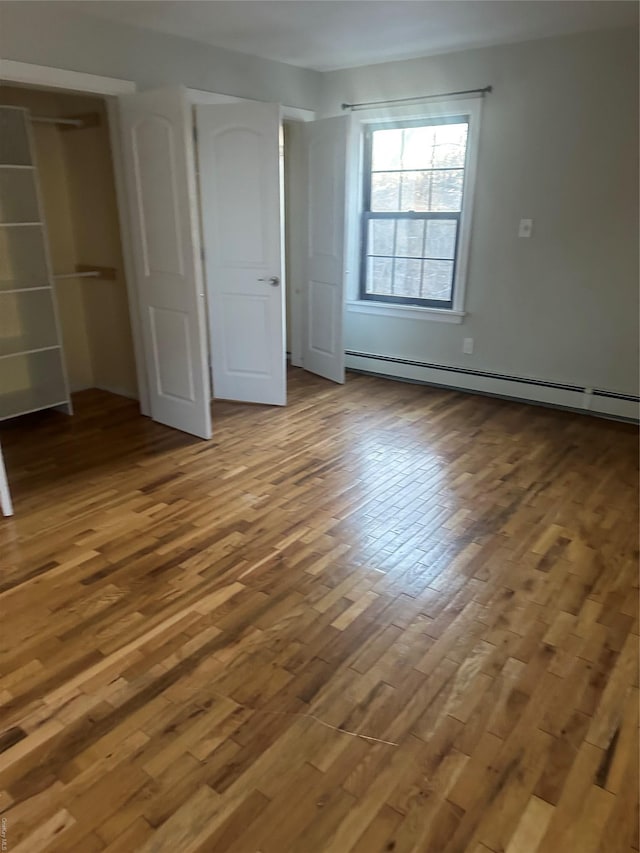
(73, 163)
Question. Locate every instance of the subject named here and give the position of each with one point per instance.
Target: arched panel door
(323, 351)
(240, 170)
(160, 177)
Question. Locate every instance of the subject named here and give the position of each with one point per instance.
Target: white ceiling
(329, 34)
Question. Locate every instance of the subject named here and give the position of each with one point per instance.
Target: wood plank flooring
(190, 629)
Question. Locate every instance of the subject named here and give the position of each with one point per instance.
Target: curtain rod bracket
(396, 101)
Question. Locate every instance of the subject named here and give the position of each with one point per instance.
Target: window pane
(386, 150)
(449, 146)
(385, 190)
(379, 276)
(412, 279)
(434, 147)
(418, 147)
(380, 240)
(430, 191)
(437, 280)
(415, 191)
(440, 241)
(409, 237)
(407, 278)
(446, 191)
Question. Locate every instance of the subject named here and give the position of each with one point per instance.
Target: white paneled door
(160, 176)
(240, 169)
(323, 351)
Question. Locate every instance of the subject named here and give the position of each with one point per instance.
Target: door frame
(201, 96)
(296, 297)
(26, 73)
(45, 76)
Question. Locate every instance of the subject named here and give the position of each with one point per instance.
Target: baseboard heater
(594, 400)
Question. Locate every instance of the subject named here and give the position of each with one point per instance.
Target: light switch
(467, 346)
(526, 228)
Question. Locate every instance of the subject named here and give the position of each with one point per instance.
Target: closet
(32, 370)
(64, 316)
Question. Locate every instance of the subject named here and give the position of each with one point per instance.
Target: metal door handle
(273, 280)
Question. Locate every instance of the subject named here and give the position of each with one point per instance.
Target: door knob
(273, 280)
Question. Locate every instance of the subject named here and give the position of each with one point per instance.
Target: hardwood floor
(188, 627)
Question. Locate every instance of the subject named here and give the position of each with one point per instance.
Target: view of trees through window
(413, 200)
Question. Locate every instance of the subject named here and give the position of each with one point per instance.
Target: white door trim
(115, 138)
(200, 96)
(27, 73)
(62, 78)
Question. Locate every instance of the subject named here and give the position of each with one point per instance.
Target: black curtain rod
(364, 104)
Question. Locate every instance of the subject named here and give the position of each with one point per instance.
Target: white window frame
(471, 107)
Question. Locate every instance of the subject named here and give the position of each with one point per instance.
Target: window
(414, 179)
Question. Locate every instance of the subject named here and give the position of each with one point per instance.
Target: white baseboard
(597, 402)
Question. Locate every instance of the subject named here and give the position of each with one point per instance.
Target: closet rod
(90, 271)
(72, 122)
(88, 274)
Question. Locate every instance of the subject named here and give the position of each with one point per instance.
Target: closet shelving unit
(32, 369)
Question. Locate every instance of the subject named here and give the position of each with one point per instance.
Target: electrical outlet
(467, 346)
(526, 228)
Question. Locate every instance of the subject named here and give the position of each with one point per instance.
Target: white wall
(44, 33)
(558, 144)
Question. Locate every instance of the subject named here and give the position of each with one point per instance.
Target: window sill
(408, 312)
